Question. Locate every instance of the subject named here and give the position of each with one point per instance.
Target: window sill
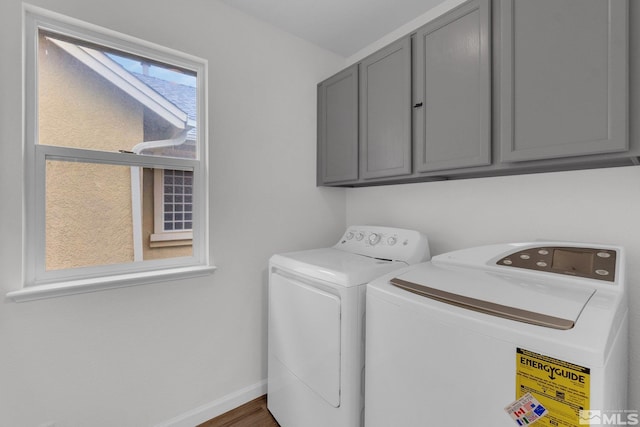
(163, 240)
(171, 235)
(31, 293)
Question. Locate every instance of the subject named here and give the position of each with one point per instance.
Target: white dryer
(316, 322)
(455, 341)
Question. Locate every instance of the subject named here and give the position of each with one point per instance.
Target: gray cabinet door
(338, 128)
(452, 91)
(563, 78)
(385, 112)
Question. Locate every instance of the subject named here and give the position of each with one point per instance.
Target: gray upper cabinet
(338, 128)
(563, 78)
(385, 112)
(492, 87)
(452, 90)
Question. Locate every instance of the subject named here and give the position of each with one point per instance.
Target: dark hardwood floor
(251, 414)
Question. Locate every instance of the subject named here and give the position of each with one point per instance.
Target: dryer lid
(335, 266)
(541, 302)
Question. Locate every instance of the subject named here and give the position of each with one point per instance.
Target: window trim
(35, 277)
(73, 287)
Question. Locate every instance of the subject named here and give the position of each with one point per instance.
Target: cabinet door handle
(418, 105)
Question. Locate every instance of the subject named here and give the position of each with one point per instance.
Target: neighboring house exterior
(99, 214)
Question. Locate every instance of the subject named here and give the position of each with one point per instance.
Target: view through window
(116, 157)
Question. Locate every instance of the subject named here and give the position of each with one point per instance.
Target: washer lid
(335, 266)
(542, 302)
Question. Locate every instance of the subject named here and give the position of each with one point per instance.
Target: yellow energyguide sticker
(561, 387)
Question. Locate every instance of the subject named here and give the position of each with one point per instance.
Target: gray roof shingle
(182, 96)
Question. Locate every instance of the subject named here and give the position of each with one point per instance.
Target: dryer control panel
(592, 263)
(396, 244)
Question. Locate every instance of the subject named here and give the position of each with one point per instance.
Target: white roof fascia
(114, 73)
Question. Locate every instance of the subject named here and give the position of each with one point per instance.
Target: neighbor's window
(116, 177)
(173, 197)
(177, 200)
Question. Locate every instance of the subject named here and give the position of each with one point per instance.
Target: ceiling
(341, 26)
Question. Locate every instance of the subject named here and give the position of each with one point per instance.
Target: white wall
(594, 205)
(142, 355)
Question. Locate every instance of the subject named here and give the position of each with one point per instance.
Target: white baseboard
(218, 407)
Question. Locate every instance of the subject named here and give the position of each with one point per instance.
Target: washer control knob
(359, 236)
(374, 238)
(392, 241)
(349, 235)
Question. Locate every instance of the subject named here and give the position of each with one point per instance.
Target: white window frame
(40, 283)
(160, 236)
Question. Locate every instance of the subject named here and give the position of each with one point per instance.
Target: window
(173, 209)
(116, 171)
(177, 200)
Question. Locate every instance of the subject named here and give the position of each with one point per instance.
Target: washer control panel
(373, 237)
(591, 263)
(395, 244)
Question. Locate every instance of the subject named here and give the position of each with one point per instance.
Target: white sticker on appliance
(526, 410)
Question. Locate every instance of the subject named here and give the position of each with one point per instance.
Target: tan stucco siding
(78, 108)
(88, 217)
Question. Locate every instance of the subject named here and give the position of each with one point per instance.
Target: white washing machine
(457, 340)
(316, 321)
